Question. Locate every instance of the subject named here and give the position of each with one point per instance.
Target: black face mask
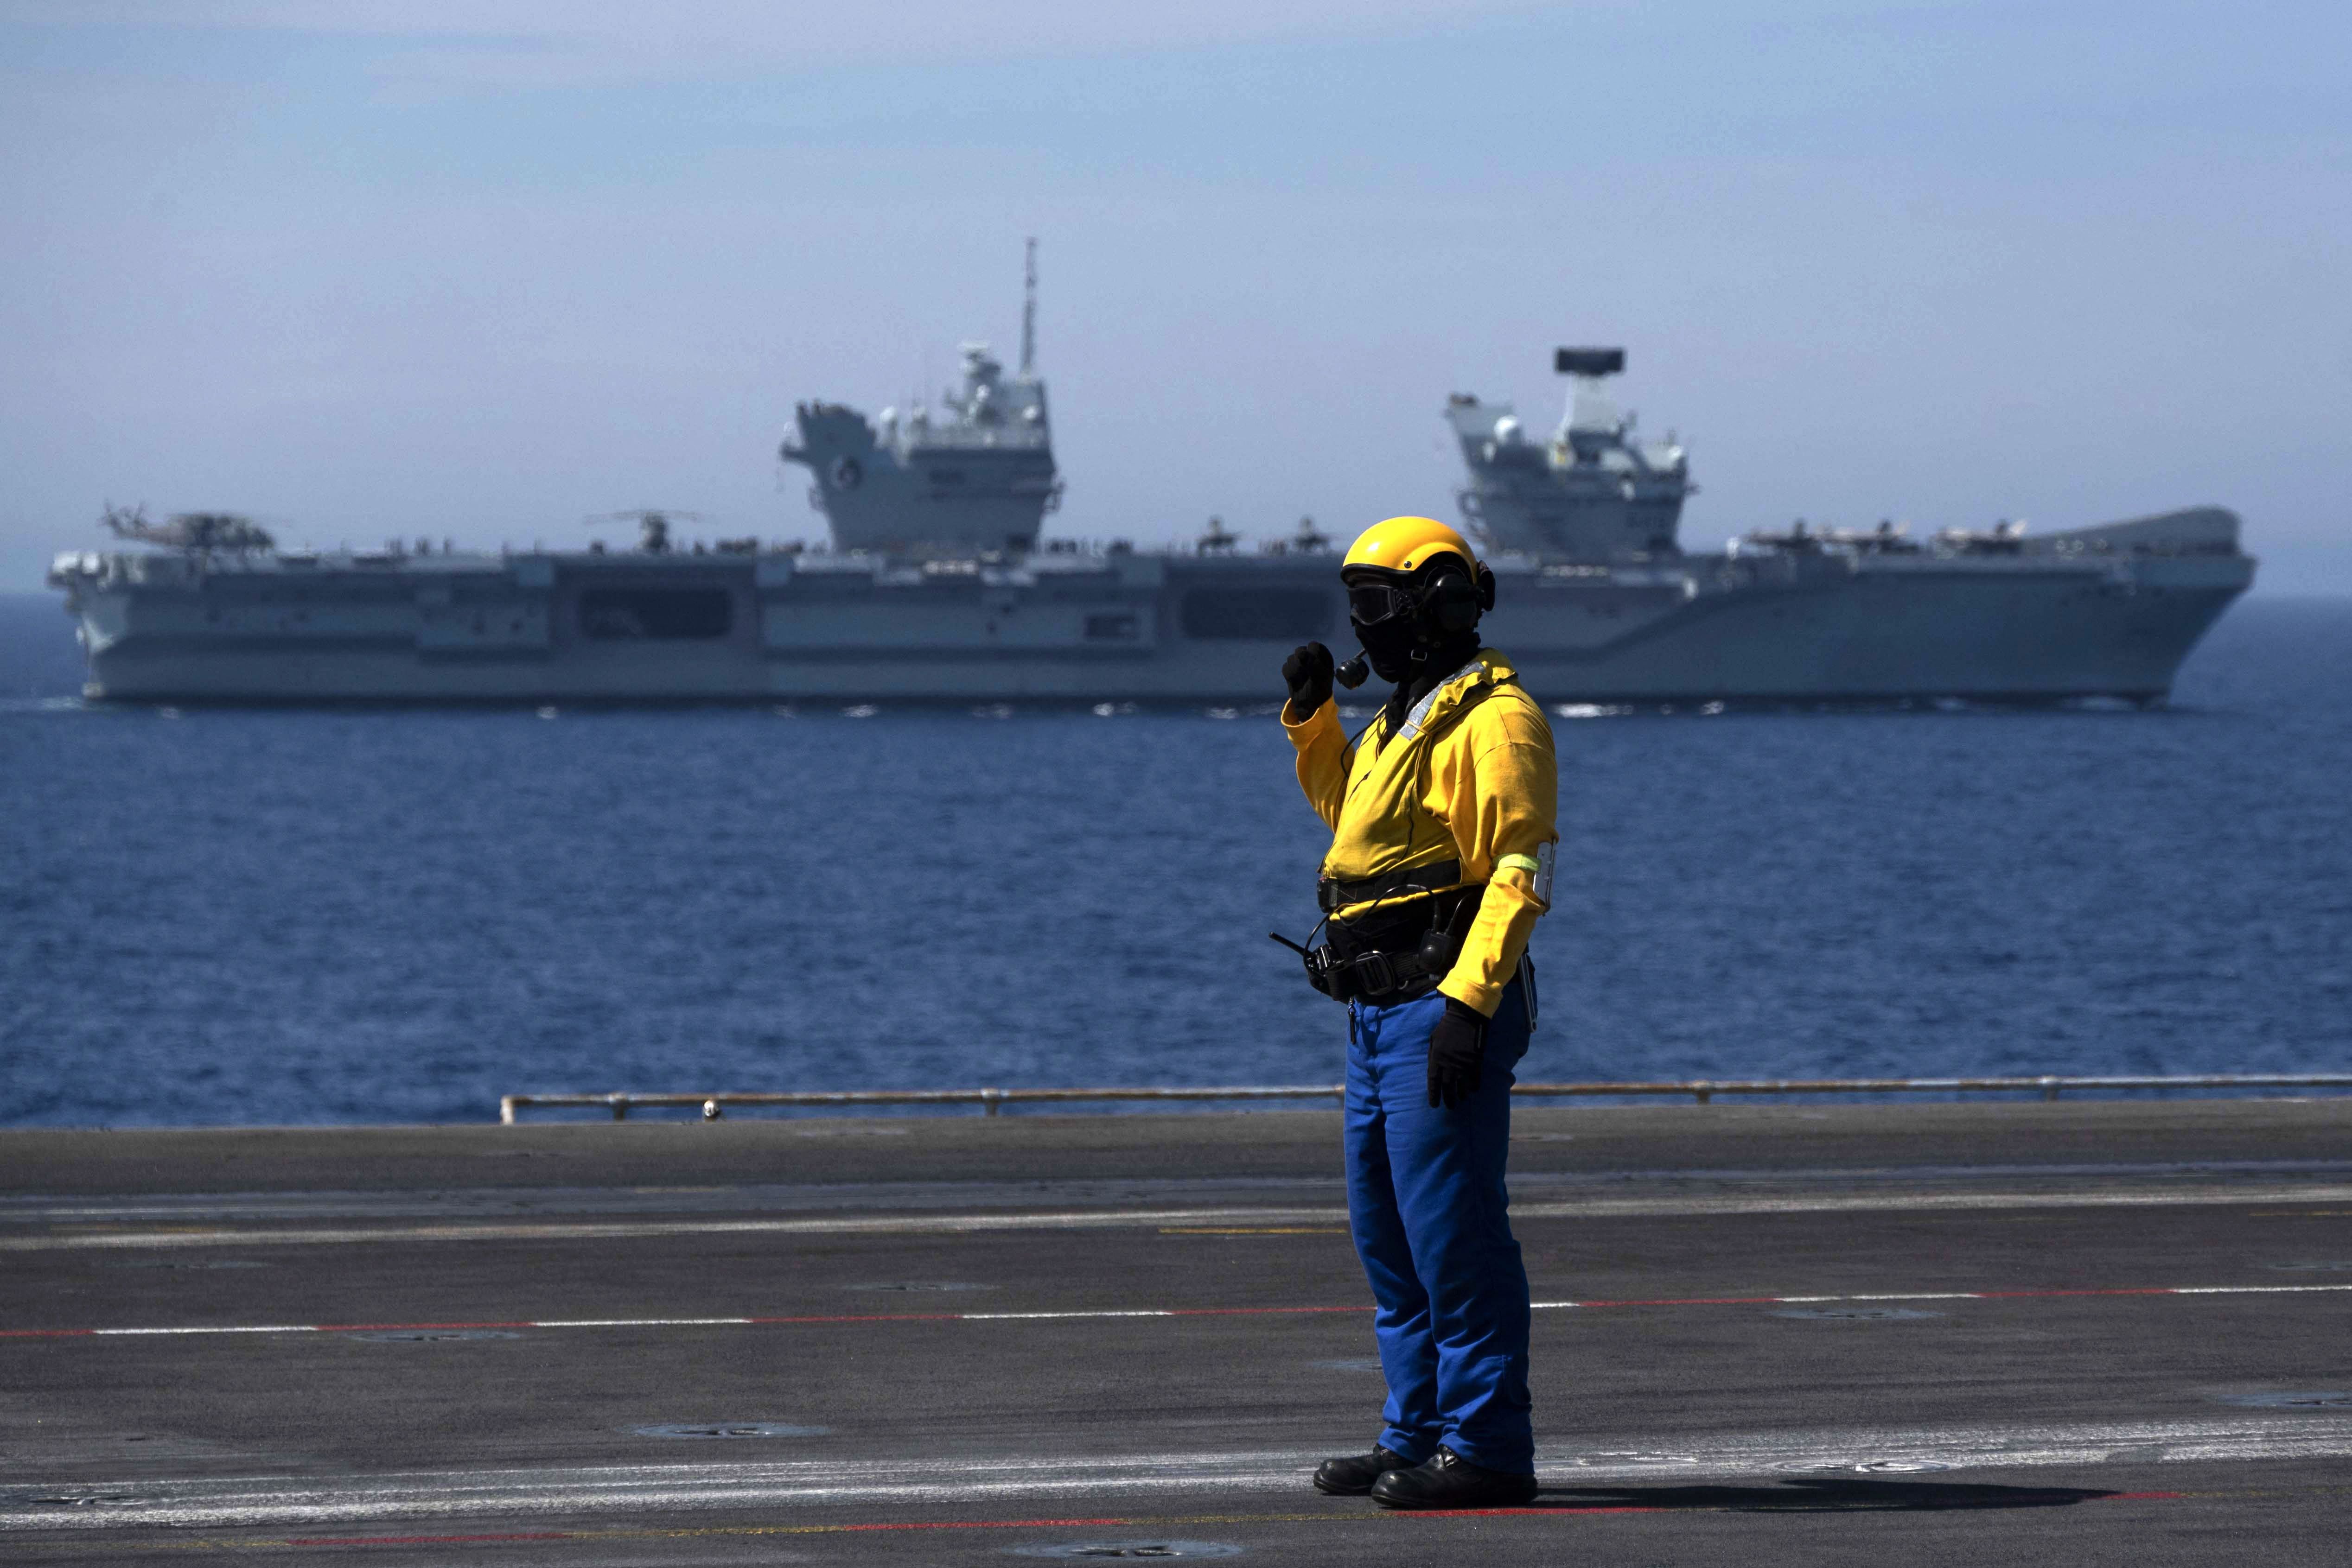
(1388, 646)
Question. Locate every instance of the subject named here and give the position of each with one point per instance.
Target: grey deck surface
(455, 1333)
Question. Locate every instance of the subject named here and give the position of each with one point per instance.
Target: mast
(1029, 311)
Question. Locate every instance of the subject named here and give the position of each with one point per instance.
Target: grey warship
(939, 584)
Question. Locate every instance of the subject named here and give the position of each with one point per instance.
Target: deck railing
(1700, 1089)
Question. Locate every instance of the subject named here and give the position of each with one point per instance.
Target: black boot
(1449, 1481)
(1354, 1475)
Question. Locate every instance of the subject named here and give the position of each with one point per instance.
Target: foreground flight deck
(1982, 1333)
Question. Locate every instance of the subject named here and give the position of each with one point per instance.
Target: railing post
(988, 1099)
(506, 1109)
(2049, 1089)
(620, 1103)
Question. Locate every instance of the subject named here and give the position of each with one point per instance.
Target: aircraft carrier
(937, 583)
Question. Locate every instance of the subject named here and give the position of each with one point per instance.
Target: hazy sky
(480, 270)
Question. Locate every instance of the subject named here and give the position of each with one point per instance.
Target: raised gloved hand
(1458, 1054)
(1307, 672)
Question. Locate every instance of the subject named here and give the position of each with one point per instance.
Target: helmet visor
(1370, 603)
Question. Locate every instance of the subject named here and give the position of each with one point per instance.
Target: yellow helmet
(1405, 545)
(1392, 554)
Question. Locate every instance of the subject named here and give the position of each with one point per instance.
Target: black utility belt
(1396, 954)
(1332, 894)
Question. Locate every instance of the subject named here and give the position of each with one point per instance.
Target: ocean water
(335, 916)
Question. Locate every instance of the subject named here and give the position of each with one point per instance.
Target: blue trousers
(1426, 1203)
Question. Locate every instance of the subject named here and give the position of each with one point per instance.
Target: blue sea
(271, 918)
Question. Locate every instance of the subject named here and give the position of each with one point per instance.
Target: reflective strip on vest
(1539, 869)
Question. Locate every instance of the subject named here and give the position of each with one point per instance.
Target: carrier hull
(2046, 624)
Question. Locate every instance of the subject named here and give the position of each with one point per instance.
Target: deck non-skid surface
(1866, 1333)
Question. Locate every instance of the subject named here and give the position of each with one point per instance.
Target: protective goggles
(1370, 603)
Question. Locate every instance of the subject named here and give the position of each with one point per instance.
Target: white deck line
(1103, 1313)
(969, 1223)
(902, 1483)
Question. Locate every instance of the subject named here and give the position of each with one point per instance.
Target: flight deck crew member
(1441, 859)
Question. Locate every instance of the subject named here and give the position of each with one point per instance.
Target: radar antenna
(1029, 311)
(1587, 362)
(1592, 424)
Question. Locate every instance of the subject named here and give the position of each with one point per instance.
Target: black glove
(1307, 672)
(1458, 1054)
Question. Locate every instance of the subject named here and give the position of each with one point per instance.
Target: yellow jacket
(1472, 776)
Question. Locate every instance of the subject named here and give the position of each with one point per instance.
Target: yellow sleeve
(1324, 758)
(1513, 795)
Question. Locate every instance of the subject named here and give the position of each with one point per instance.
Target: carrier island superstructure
(939, 586)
